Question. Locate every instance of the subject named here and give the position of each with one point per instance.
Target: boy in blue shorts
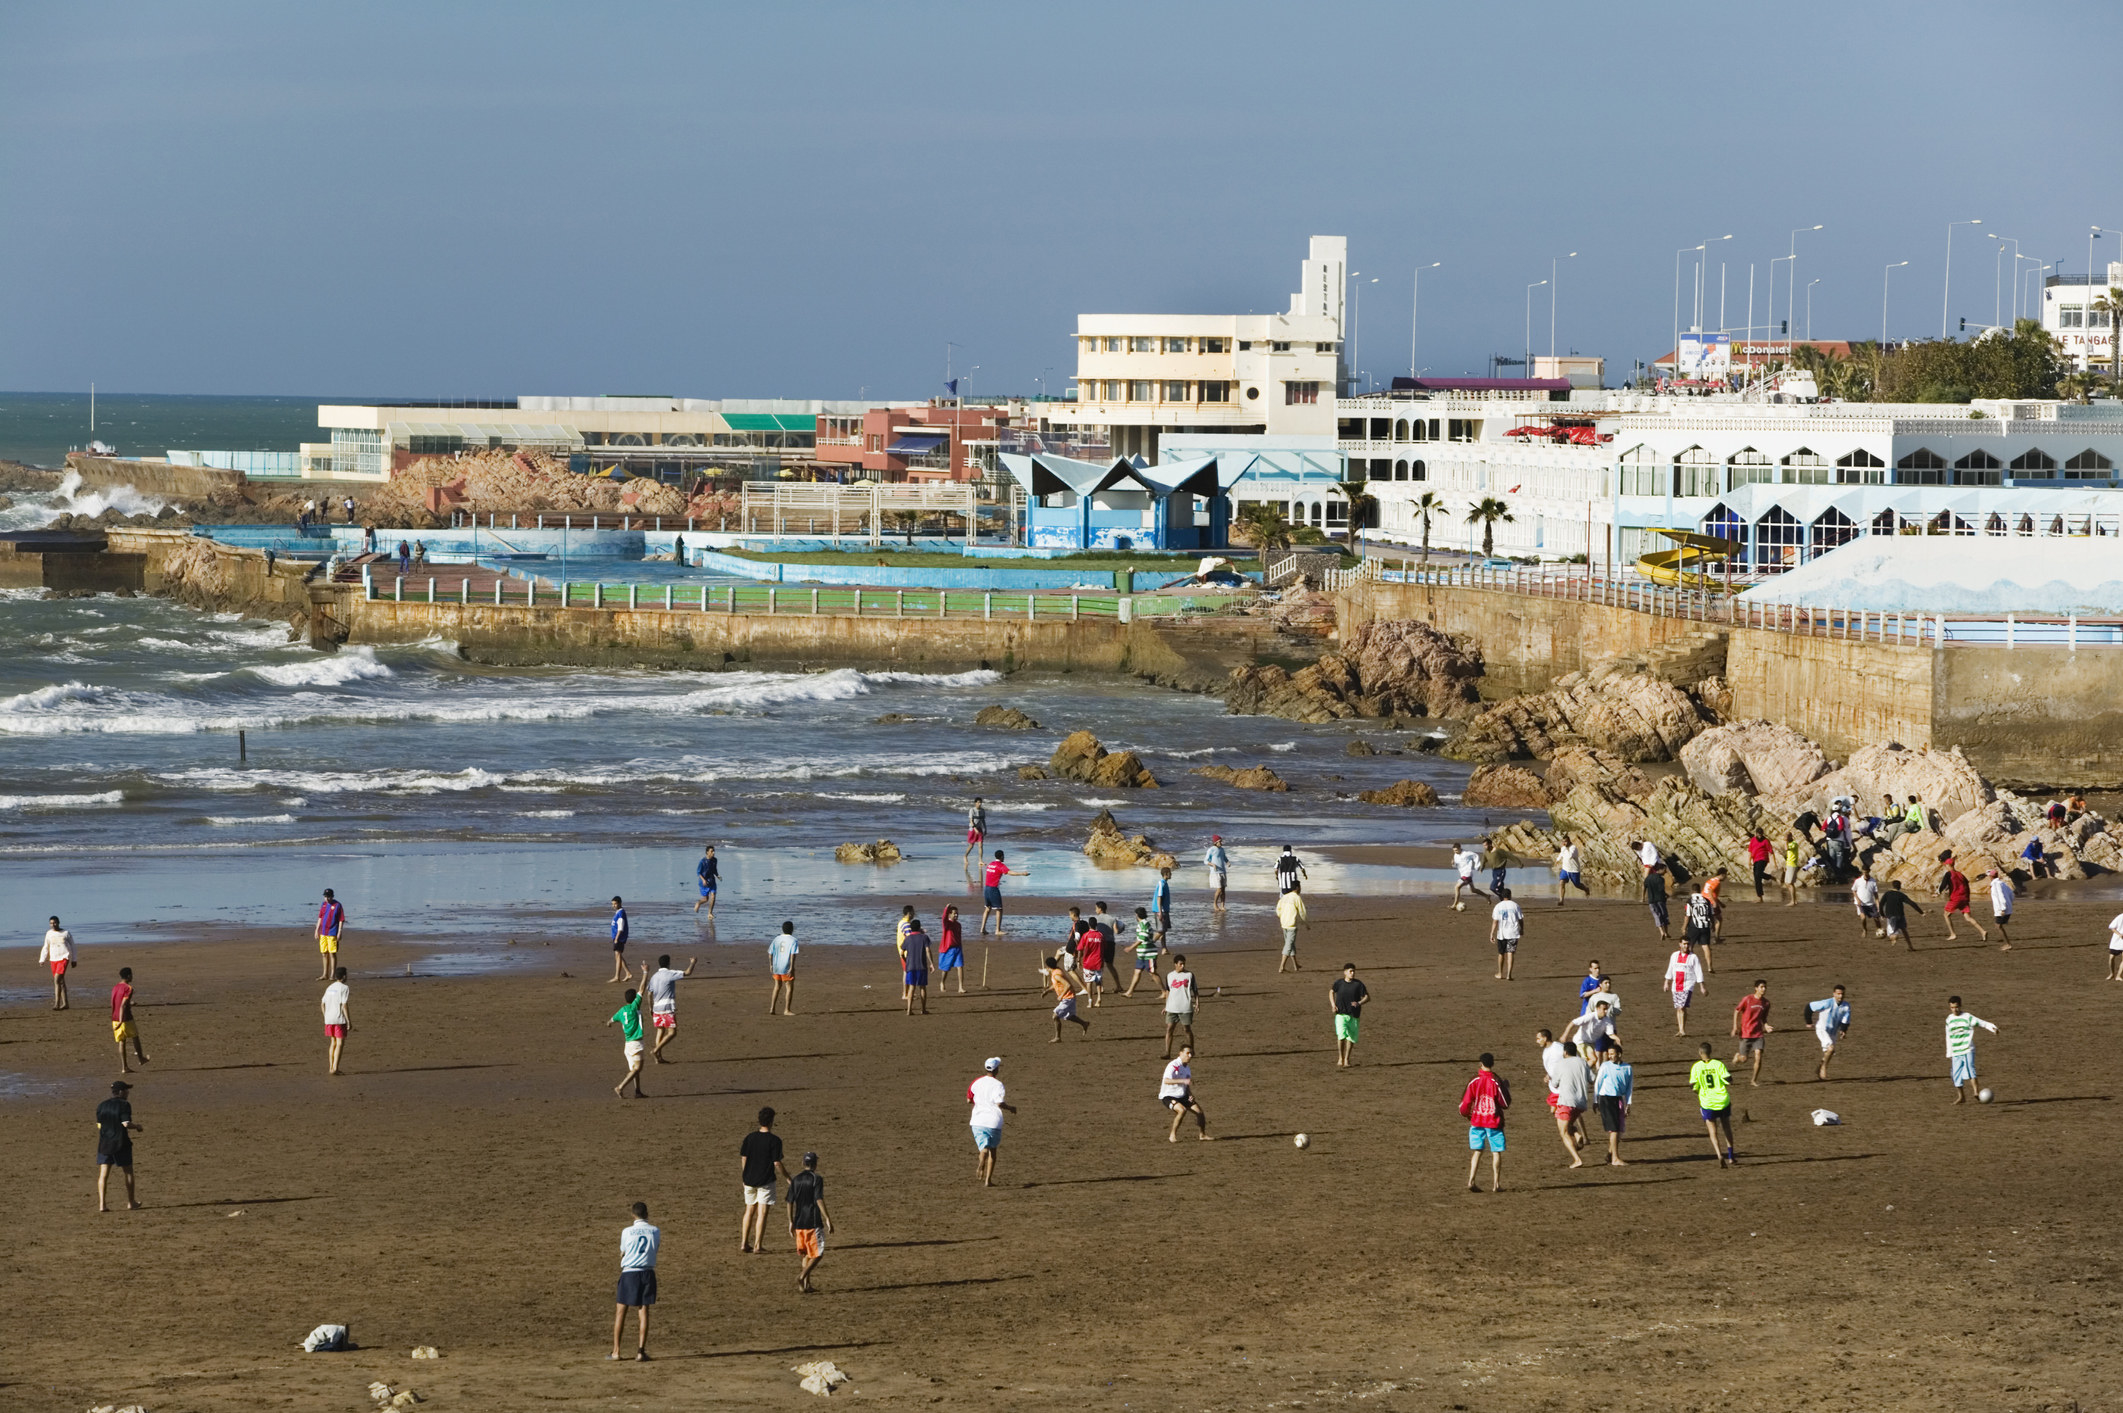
(709, 872)
(1712, 1083)
(1146, 950)
(915, 945)
(1483, 1106)
(1161, 902)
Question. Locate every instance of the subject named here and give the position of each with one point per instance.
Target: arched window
(1695, 473)
(1417, 472)
(2035, 463)
(1400, 470)
(1777, 541)
(1860, 468)
(1749, 468)
(2088, 465)
(1922, 467)
(1640, 470)
(1806, 467)
(1831, 529)
(1978, 468)
(1884, 524)
(1400, 430)
(1725, 523)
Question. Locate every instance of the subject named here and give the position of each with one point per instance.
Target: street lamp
(1702, 267)
(1554, 289)
(1677, 304)
(1946, 296)
(1793, 272)
(1528, 363)
(1809, 309)
(1883, 300)
(1997, 279)
(1415, 311)
(2019, 285)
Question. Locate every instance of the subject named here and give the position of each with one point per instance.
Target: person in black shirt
(808, 1219)
(1655, 897)
(1348, 996)
(1894, 920)
(759, 1159)
(114, 1143)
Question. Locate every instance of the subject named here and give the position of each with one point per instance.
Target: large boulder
(1944, 781)
(1110, 846)
(1620, 709)
(1755, 757)
(1506, 787)
(1390, 669)
(1006, 718)
(1081, 757)
(883, 851)
(1581, 765)
(1404, 794)
(1254, 777)
(1704, 831)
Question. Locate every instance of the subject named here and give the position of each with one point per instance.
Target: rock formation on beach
(1618, 707)
(1111, 847)
(1254, 777)
(883, 851)
(1081, 757)
(1506, 787)
(1403, 793)
(1007, 718)
(1386, 669)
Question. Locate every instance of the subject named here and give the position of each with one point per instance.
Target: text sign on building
(1705, 355)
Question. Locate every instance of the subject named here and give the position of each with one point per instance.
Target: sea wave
(324, 670)
(242, 819)
(863, 799)
(61, 802)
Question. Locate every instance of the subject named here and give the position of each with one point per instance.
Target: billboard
(1707, 356)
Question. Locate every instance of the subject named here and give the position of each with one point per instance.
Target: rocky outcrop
(1620, 709)
(1110, 846)
(1581, 765)
(1406, 794)
(1255, 777)
(1362, 747)
(1505, 787)
(1703, 831)
(1005, 718)
(891, 718)
(1032, 772)
(882, 852)
(1944, 781)
(1753, 757)
(1385, 669)
(1081, 757)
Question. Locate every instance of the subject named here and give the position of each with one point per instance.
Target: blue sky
(811, 200)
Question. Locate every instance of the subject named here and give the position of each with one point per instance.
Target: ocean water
(40, 428)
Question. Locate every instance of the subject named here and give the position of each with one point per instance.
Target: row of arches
(1778, 539)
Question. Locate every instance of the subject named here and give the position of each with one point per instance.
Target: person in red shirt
(1758, 852)
(1955, 886)
(1091, 959)
(1750, 1022)
(1483, 1106)
(951, 953)
(992, 891)
(123, 1028)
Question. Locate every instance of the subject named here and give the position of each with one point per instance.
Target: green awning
(770, 422)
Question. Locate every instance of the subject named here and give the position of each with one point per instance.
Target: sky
(819, 200)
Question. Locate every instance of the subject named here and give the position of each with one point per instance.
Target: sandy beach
(464, 1184)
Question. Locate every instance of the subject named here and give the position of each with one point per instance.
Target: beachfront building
(1599, 473)
(938, 441)
(1142, 377)
(2085, 334)
(1125, 504)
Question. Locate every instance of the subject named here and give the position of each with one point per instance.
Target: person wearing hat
(1219, 865)
(808, 1219)
(331, 921)
(986, 1096)
(114, 1143)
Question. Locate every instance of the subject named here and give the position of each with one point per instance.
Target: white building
(1599, 472)
(1140, 376)
(2086, 334)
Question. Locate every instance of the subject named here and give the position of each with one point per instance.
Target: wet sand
(464, 1185)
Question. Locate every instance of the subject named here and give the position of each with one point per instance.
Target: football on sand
(1304, 1140)
(1459, 907)
(1983, 1095)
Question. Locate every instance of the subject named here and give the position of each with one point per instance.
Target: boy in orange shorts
(808, 1219)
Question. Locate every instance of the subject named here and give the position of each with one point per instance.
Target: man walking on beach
(1092, 960)
(1347, 996)
(1698, 925)
(1758, 852)
(992, 891)
(1961, 1048)
(1288, 871)
(1290, 912)
(986, 1095)
(1147, 948)
(1507, 924)
(1865, 901)
(336, 1020)
(1161, 903)
(637, 1279)
(2001, 900)
(628, 1019)
(1683, 975)
(1498, 863)
(781, 961)
(1655, 898)
(1613, 1086)
(1571, 1082)
(1176, 1092)
(976, 827)
(114, 1144)
(1712, 1083)
(708, 872)
(808, 1219)
(1750, 1024)
(1219, 865)
(917, 955)
(1569, 870)
(1831, 1022)
(124, 1028)
(58, 954)
(331, 922)
(1482, 1105)
(619, 941)
(758, 1160)
(662, 986)
(1181, 994)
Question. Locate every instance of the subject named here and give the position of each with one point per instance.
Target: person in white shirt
(1182, 994)
(1572, 1078)
(2001, 899)
(1289, 911)
(1219, 865)
(1464, 862)
(662, 988)
(1647, 854)
(1591, 1031)
(637, 1279)
(1684, 973)
(2115, 948)
(781, 960)
(1961, 1048)
(58, 954)
(1507, 924)
(1176, 1092)
(336, 1021)
(1569, 870)
(986, 1096)
(1553, 1053)
(1865, 898)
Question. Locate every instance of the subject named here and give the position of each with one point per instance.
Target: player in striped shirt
(1961, 1047)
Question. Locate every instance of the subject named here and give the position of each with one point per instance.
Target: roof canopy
(769, 422)
(1042, 474)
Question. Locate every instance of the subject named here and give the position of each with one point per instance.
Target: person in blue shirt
(1161, 902)
(1587, 984)
(1613, 1086)
(619, 941)
(709, 872)
(1219, 865)
(2037, 857)
(1830, 1018)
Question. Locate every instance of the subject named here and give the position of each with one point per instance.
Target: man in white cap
(986, 1096)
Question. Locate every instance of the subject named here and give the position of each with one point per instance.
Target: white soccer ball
(1304, 1140)
(1983, 1096)
(1459, 907)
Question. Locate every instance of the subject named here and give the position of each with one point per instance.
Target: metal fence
(778, 599)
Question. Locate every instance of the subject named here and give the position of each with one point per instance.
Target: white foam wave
(1102, 804)
(1193, 754)
(1022, 807)
(244, 819)
(864, 799)
(61, 802)
(324, 670)
(1283, 746)
(67, 499)
(545, 814)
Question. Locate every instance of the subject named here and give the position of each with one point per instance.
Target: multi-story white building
(1139, 376)
(2086, 334)
(1600, 472)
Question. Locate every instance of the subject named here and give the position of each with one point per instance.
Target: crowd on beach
(1584, 1064)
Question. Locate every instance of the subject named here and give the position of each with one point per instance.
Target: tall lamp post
(1415, 312)
(1884, 281)
(1554, 288)
(1809, 309)
(1793, 273)
(1677, 304)
(1702, 268)
(1946, 296)
(1527, 364)
(1997, 279)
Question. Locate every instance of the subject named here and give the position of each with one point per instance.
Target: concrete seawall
(155, 478)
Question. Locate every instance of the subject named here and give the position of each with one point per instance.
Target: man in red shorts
(1955, 886)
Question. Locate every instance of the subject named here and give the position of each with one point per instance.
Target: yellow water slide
(1685, 565)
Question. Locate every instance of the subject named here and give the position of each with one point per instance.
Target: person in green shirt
(628, 1019)
(1146, 949)
(1712, 1083)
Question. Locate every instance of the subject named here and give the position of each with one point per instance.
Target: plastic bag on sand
(820, 1378)
(325, 1337)
(119, 1408)
(427, 1351)
(1824, 1117)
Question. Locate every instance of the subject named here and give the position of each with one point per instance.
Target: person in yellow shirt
(1290, 912)
(1712, 1083)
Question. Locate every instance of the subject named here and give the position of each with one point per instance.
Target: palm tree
(2078, 385)
(1361, 504)
(1261, 523)
(1485, 513)
(2111, 304)
(1426, 505)
(909, 521)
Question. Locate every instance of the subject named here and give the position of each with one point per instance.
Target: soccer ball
(1304, 1140)
(1983, 1096)
(1459, 907)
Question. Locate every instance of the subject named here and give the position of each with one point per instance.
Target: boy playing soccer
(1712, 1083)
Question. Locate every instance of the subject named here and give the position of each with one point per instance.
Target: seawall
(155, 478)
